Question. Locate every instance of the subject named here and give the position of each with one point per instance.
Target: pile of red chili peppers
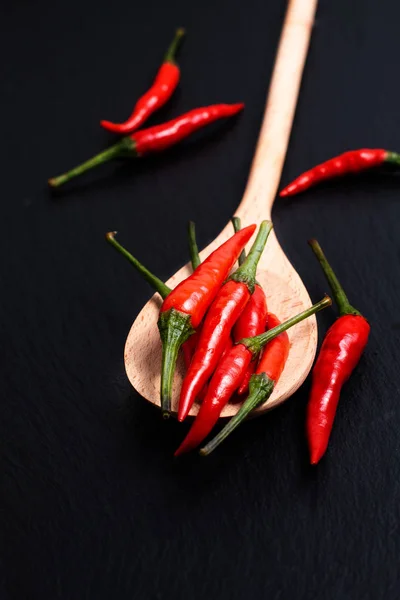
(137, 142)
(234, 348)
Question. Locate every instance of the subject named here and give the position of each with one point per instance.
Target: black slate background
(92, 505)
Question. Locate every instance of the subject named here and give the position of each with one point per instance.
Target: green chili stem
(125, 147)
(154, 281)
(345, 308)
(246, 273)
(392, 158)
(193, 249)
(260, 389)
(237, 226)
(255, 344)
(175, 328)
(170, 55)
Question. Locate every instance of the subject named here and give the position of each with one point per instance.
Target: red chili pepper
(353, 161)
(221, 317)
(184, 308)
(340, 352)
(189, 347)
(153, 139)
(229, 374)
(251, 323)
(193, 340)
(164, 85)
(252, 320)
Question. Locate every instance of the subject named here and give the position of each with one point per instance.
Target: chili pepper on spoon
(252, 320)
(159, 286)
(164, 85)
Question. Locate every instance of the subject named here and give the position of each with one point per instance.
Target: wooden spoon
(285, 290)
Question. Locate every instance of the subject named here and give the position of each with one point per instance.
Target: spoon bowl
(286, 293)
(286, 296)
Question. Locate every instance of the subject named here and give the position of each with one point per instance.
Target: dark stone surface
(92, 505)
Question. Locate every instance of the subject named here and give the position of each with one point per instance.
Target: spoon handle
(279, 112)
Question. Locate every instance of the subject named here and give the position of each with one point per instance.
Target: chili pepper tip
(237, 107)
(315, 458)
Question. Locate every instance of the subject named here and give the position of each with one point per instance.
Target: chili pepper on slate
(153, 139)
(183, 310)
(229, 374)
(352, 161)
(340, 352)
(164, 85)
(221, 317)
(252, 320)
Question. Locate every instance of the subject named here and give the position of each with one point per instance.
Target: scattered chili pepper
(229, 374)
(252, 320)
(153, 139)
(221, 317)
(164, 85)
(352, 161)
(340, 352)
(184, 308)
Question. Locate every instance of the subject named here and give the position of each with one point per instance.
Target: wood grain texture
(285, 291)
